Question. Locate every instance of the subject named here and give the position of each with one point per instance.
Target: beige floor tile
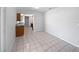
(68, 48)
(42, 42)
(75, 49)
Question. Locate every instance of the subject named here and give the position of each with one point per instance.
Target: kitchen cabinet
(19, 31)
(18, 16)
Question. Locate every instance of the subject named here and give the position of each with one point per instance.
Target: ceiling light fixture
(36, 7)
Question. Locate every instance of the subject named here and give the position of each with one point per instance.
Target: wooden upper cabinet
(18, 16)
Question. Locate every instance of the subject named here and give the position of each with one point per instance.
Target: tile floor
(42, 42)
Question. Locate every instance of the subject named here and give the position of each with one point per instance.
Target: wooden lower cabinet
(19, 31)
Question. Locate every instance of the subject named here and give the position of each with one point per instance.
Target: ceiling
(40, 9)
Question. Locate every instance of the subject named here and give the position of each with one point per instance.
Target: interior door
(27, 21)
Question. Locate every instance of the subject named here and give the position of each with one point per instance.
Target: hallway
(42, 42)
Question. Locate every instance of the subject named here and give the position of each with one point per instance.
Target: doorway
(29, 21)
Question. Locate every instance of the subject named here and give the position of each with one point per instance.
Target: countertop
(20, 24)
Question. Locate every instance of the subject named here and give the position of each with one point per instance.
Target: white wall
(0, 28)
(3, 27)
(63, 23)
(10, 27)
(38, 17)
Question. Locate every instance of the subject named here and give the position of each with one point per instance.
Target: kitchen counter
(19, 24)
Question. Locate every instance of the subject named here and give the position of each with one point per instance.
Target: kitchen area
(24, 21)
(19, 25)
